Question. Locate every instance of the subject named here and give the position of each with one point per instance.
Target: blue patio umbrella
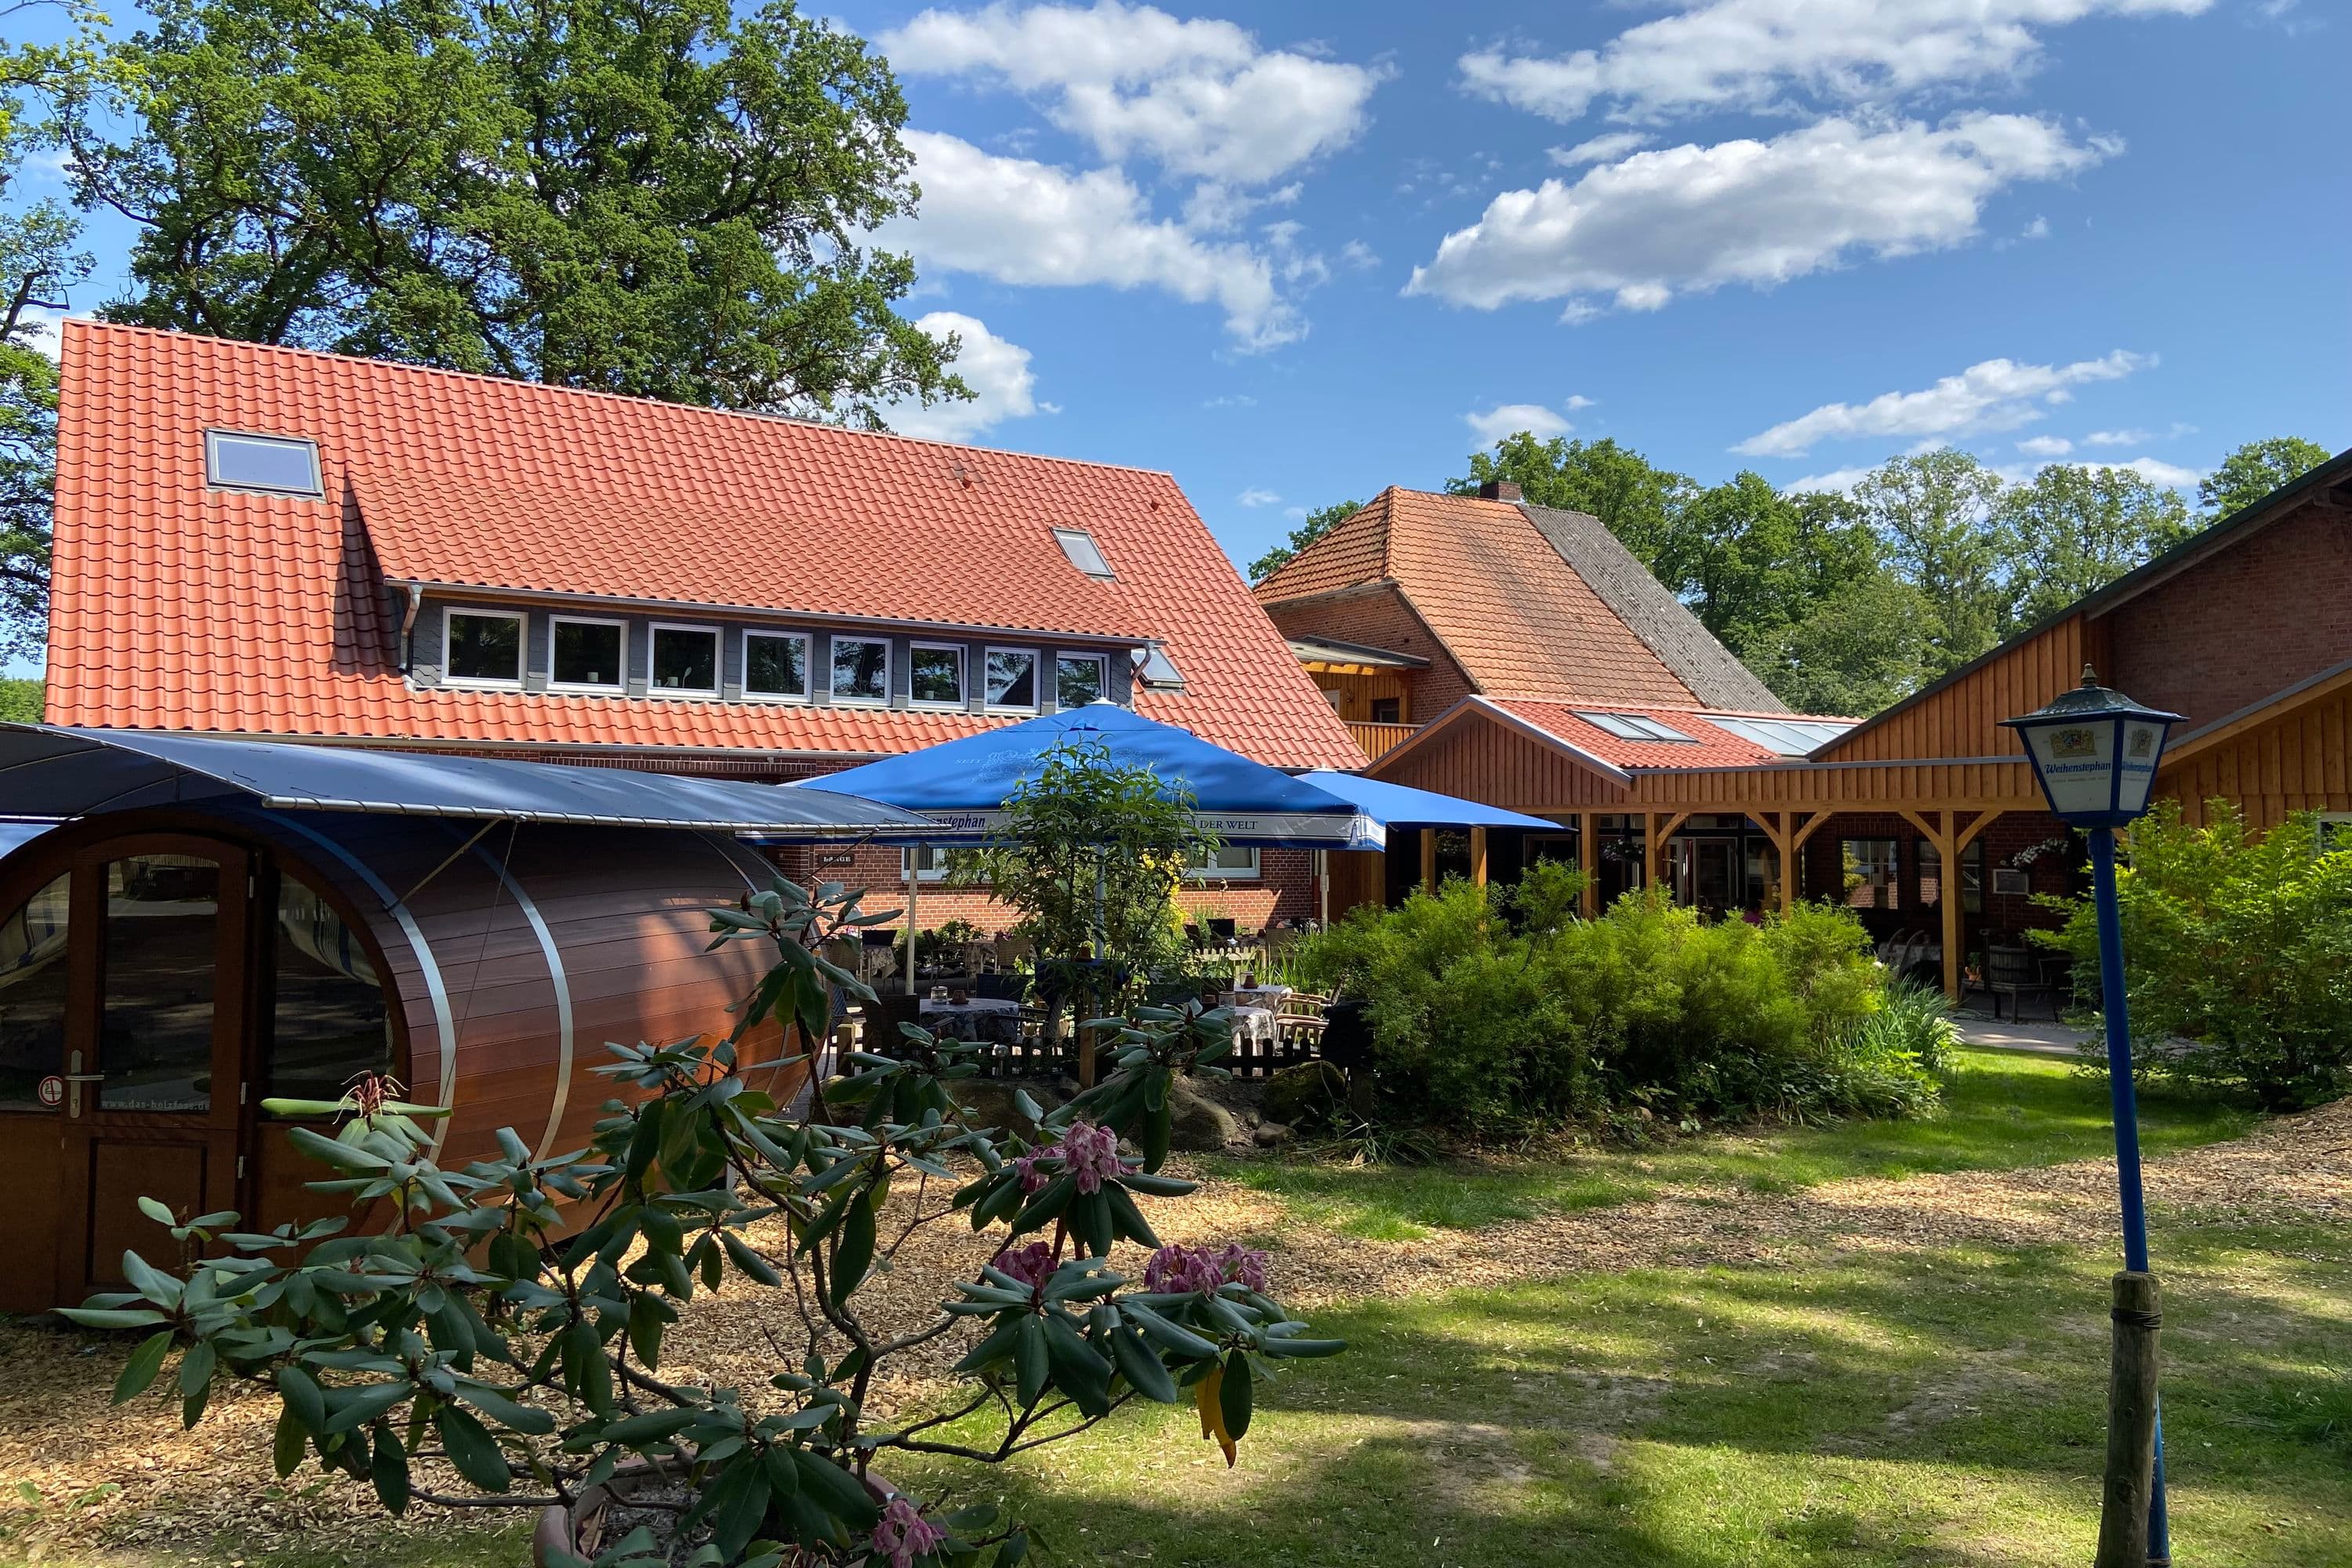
(962, 785)
(1399, 805)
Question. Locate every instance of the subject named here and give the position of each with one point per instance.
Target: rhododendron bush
(498, 1335)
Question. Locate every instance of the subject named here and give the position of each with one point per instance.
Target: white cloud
(1254, 497)
(1022, 222)
(2117, 437)
(1996, 394)
(1837, 481)
(2045, 446)
(1692, 218)
(1358, 255)
(1229, 400)
(1579, 400)
(998, 373)
(1510, 418)
(1199, 97)
(2156, 471)
(1604, 149)
(1757, 54)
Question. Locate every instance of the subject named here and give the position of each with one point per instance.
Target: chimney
(1499, 489)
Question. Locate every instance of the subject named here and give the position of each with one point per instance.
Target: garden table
(1254, 1024)
(980, 1018)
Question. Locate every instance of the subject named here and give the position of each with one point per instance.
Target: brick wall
(1283, 890)
(1381, 620)
(2260, 616)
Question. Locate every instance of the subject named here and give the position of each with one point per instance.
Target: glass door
(156, 1077)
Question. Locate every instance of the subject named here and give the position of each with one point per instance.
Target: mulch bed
(128, 1483)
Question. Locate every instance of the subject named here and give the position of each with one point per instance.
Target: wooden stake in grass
(2131, 1424)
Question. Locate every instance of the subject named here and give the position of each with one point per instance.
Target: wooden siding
(1811, 786)
(2298, 759)
(1378, 740)
(1963, 718)
(1478, 759)
(1357, 693)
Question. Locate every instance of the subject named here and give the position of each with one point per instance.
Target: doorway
(153, 989)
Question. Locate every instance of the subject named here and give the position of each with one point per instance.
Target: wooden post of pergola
(1478, 856)
(1657, 826)
(1951, 841)
(1429, 861)
(1588, 856)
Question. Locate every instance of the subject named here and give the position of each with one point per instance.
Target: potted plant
(498, 1338)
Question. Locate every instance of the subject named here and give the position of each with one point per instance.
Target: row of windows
(588, 654)
(1226, 863)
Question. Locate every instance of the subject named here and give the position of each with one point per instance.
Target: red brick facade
(1380, 618)
(2049, 872)
(2240, 626)
(1283, 890)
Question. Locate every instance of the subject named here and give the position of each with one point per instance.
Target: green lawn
(1944, 1408)
(2003, 1110)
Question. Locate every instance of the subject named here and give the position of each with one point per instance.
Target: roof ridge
(72, 326)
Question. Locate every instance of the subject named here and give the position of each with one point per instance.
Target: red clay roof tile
(178, 605)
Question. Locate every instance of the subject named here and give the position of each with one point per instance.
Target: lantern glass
(2142, 744)
(2076, 760)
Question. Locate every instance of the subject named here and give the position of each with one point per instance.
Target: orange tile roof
(1515, 615)
(177, 606)
(1708, 747)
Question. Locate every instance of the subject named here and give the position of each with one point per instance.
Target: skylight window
(1633, 727)
(1157, 671)
(1083, 552)
(1783, 737)
(276, 465)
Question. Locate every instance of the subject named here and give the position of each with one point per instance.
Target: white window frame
(1250, 873)
(808, 666)
(718, 660)
(963, 676)
(1037, 658)
(484, 683)
(316, 490)
(616, 686)
(1062, 537)
(935, 873)
(1099, 661)
(833, 668)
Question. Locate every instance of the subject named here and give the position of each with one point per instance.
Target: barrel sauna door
(155, 1048)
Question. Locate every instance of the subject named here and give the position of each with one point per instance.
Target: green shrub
(1493, 1011)
(1914, 1022)
(2242, 945)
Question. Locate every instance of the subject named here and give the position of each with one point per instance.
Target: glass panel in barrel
(155, 1047)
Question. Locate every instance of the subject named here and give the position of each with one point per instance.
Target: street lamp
(2095, 753)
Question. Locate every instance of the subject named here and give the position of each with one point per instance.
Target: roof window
(1083, 552)
(276, 465)
(1156, 672)
(1783, 737)
(1633, 727)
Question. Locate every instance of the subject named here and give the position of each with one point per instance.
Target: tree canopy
(2255, 469)
(658, 198)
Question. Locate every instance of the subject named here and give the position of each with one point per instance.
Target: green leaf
(1078, 1371)
(389, 1468)
(289, 1443)
(1175, 1336)
(472, 1449)
(157, 1212)
(1126, 1218)
(304, 1401)
(748, 1260)
(1140, 1365)
(110, 1317)
(586, 1371)
(653, 1426)
(836, 1491)
(145, 1363)
(197, 1368)
(1234, 1395)
(363, 1406)
(736, 1518)
(854, 1255)
(1031, 1361)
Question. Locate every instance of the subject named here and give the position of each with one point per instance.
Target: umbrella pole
(1323, 885)
(914, 882)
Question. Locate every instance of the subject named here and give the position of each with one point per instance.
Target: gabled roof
(178, 605)
(1530, 601)
(1564, 726)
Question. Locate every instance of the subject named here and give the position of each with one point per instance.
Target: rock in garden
(1197, 1125)
(1305, 1095)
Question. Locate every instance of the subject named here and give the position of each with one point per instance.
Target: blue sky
(1295, 253)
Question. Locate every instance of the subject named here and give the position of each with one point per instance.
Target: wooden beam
(1984, 819)
(1429, 861)
(1657, 826)
(1820, 820)
(1587, 854)
(1920, 822)
(1949, 895)
(1478, 856)
(1775, 825)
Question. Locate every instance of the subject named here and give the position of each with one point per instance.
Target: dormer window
(481, 647)
(273, 465)
(1079, 680)
(1083, 552)
(1156, 672)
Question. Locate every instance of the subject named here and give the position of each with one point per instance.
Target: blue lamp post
(2094, 751)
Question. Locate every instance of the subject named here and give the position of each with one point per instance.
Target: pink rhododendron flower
(1032, 1178)
(1242, 1266)
(1031, 1265)
(903, 1534)
(1176, 1270)
(1091, 1154)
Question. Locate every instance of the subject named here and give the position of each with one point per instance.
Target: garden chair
(2012, 972)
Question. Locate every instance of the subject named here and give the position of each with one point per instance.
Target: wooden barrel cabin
(189, 926)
